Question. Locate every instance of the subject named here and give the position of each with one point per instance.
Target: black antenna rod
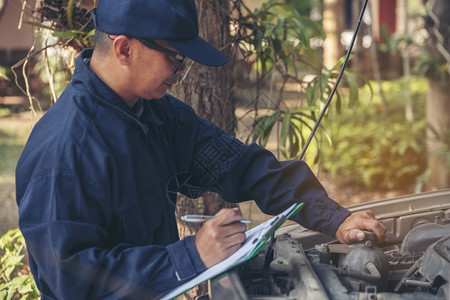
(341, 72)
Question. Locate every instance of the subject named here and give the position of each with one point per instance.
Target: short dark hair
(102, 42)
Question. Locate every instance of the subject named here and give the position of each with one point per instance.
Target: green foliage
(303, 7)
(3, 73)
(16, 280)
(7, 84)
(432, 66)
(428, 43)
(374, 145)
(276, 34)
(60, 26)
(297, 124)
(60, 66)
(5, 112)
(70, 21)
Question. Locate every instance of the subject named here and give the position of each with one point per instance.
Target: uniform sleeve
(242, 172)
(74, 257)
(275, 185)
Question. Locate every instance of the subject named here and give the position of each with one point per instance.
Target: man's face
(153, 71)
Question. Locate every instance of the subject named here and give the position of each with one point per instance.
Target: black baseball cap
(173, 21)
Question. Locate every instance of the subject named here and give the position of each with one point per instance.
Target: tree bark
(438, 101)
(209, 91)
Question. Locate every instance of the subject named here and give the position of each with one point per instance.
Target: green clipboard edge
(255, 251)
(267, 236)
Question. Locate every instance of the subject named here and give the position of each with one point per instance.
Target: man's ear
(122, 48)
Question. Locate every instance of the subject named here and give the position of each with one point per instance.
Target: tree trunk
(209, 91)
(438, 102)
(332, 25)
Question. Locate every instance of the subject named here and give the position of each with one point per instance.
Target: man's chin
(157, 95)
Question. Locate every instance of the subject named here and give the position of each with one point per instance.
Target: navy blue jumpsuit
(96, 191)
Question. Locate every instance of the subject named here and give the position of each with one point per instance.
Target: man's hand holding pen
(221, 236)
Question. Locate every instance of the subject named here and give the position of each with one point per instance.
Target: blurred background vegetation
(386, 133)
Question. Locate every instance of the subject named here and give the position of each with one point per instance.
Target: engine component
(422, 236)
(410, 264)
(436, 262)
(366, 265)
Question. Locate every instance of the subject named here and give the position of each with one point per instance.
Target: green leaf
(25, 287)
(294, 142)
(339, 63)
(70, 13)
(326, 135)
(279, 28)
(313, 27)
(269, 30)
(69, 33)
(89, 34)
(354, 90)
(304, 39)
(13, 260)
(263, 127)
(338, 102)
(39, 25)
(324, 80)
(296, 117)
(312, 93)
(284, 132)
(364, 78)
(297, 139)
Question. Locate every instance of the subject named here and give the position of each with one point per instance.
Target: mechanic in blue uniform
(94, 180)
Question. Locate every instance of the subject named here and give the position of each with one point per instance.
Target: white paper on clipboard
(255, 238)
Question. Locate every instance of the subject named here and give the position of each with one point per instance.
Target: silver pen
(201, 218)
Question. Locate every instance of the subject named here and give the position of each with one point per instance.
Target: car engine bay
(413, 261)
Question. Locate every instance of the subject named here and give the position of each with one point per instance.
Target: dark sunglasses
(180, 57)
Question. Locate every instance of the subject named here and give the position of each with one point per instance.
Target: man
(94, 180)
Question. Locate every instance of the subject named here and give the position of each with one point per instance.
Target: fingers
(354, 235)
(376, 227)
(227, 215)
(369, 223)
(220, 237)
(351, 230)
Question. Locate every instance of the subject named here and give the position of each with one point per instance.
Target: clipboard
(256, 238)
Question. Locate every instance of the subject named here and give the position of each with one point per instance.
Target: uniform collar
(105, 95)
(94, 84)
(138, 108)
